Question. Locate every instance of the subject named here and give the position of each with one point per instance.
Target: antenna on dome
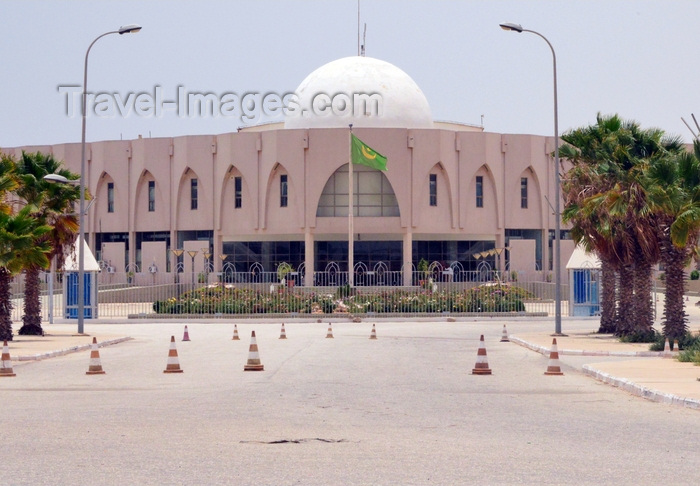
(358, 27)
(364, 42)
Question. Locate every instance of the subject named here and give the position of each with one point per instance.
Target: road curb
(622, 383)
(641, 391)
(581, 352)
(72, 349)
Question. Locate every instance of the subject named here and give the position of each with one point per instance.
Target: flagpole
(351, 235)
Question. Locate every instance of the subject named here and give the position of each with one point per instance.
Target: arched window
(373, 195)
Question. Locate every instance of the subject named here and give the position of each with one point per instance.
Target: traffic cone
(186, 336)
(373, 334)
(329, 335)
(253, 363)
(6, 365)
(482, 366)
(173, 363)
(667, 349)
(553, 367)
(95, 367)
(283, 333)
(504, 335)
(235, 333)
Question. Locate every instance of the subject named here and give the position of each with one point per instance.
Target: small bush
(687, 341)
(344, 291)
(652, 336)
(694, 275)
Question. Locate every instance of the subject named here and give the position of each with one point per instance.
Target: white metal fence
(375, 292)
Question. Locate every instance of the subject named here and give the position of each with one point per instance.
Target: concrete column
(309, 258)
(407, 258)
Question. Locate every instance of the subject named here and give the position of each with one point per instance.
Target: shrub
(694, 275)
(345, 291)
(652, 336)
(492, 297)
(687, 341)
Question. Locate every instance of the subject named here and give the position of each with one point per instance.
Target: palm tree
(629, 202)
(54, 205)
(590, 151)
(19, 234)
(588, 229)
(607, 204)
(673, 185)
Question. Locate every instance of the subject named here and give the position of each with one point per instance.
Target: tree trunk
(5, 305)
(675, 319)
(625, 309)
(607, 299)
(31, 319)
(643, 303)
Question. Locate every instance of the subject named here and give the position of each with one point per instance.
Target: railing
(212, 294)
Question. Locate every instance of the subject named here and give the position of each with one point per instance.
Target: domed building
(242, 203)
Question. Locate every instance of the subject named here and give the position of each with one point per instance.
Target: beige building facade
(249, 200)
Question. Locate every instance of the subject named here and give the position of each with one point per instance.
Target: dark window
(110, 197)
(151, 195)
(283, 191)
(523, 192)
(479, 191)
(193, 193)
(238, 187)
(433, 189)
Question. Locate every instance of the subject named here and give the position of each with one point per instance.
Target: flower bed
(491, 297)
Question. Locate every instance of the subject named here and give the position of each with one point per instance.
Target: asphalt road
(401, 410)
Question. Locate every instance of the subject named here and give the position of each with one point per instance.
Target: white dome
(363, 91)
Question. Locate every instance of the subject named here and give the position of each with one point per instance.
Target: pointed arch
(272, 194)
(445, 194)
(535, 204)
(101, 193)
(141, 196)
(181, 202)
(372, 190)
(490, 191)
(228, 213)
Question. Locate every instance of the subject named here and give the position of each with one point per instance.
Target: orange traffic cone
(373, 334)
(504, 335)
(329, 334)
(186, 336)
(95, 367)
(553, 367)
(667, 349)
(173, 363)
(235, 333)
(283, 333)
(482, 366)
(6, 364)
(253, 363)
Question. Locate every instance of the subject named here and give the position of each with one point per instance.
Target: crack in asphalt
(294, 441)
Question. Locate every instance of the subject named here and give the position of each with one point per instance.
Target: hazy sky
(634, 58)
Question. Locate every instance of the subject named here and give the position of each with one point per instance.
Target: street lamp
(192, 254)
(207, 254)
(557, 213)
(131, 28)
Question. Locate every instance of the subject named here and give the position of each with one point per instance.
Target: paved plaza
(404, 409)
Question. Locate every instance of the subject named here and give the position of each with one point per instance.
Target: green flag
(363, 154)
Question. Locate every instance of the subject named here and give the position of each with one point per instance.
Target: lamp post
(192, 254)
(557, 183)
(177, 253)
(207, 254)
(131, 28)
